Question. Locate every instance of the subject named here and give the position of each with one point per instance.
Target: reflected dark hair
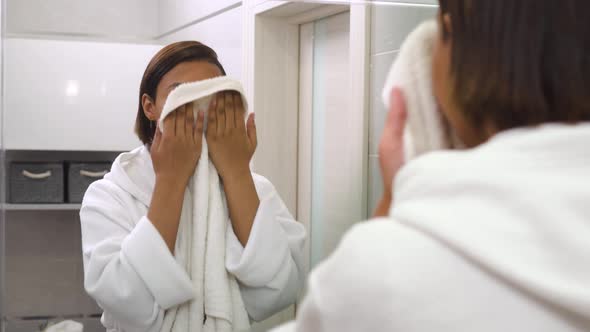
(166, 59)
(518, 63)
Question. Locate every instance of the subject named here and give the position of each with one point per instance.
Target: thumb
(396, 119)
(251, 128)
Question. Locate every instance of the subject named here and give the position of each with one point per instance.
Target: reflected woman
(130, 219)
(495, 237)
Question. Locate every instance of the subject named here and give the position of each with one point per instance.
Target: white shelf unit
(49, 157)
(41, 207)
(43, 275)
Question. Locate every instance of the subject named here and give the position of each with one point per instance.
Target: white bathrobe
(130, 272)
(496, 238)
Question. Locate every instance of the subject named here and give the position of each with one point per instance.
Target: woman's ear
(149, 107)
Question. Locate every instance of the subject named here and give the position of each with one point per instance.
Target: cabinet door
(72, 95)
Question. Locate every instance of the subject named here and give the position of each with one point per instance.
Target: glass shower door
(332, 167)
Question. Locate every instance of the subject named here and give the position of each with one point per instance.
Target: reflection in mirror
(84, 88)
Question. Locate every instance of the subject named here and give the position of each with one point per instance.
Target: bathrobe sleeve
(128, 268)
(270, 268)
(351, 290)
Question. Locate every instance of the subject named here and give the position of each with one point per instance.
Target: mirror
(340, 55)
(312, 71)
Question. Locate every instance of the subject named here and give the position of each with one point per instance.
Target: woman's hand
(231, 142)
(231, 146)
(175, 152)
(391, 148)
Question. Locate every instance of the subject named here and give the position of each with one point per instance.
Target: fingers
(198, 132)
(251, 127)
(230, 112)
(170, 125)
(156, 139)
(240, 111)
(220, 113)
(396, 119)
(212, 115)
(180, 117)
(190, 121)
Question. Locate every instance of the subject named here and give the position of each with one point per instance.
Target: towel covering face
(201, 241)
(201, 94)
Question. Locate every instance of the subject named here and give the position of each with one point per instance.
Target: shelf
(41, 207)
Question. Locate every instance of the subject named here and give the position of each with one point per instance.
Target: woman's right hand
(391, 146)
(391, 149)
(175, 151)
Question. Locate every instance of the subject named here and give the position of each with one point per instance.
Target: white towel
(200, 244)
(426, 129)
(65, 326)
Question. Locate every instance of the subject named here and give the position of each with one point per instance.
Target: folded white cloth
(65, 326)
(201, 241)
(426, 129)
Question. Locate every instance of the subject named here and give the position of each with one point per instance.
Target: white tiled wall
(136, 19)
(389, 26)
(179, 13)
(222, 32)
(72, 95)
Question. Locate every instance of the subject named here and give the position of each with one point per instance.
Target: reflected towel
(200, 244)
(426, 129)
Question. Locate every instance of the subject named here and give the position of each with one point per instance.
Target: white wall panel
(66, 95)
(223, 33)
(178, 13)
(135, 19)
(391, 24)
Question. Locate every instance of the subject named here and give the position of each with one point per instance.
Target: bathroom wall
(129, 19)
(217, 24)
(71, 71)
(175, 14)
(87, 89)
(389, 26)
(85, 60)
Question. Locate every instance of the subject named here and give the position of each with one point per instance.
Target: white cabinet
(72, 95)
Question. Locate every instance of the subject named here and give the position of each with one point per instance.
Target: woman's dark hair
(518, 63)
(166, 59)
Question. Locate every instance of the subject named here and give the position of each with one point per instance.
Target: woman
(496, 237)
(130, 218)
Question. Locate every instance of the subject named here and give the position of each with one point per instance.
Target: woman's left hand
(231, 141)
(231, 146)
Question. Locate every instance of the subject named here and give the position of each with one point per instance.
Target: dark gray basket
(36, 183)
(81, 175)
